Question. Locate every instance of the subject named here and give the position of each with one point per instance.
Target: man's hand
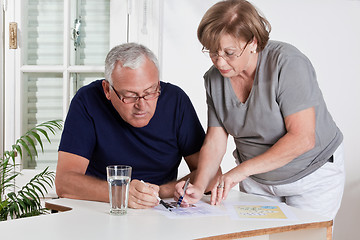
(143, 195)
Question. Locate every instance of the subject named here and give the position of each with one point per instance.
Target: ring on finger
(220, 186)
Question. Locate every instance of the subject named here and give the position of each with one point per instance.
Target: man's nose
(140, 104)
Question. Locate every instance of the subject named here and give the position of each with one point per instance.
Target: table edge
(56, 207)
(265, 231)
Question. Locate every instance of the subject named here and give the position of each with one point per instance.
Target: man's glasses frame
(148, 96)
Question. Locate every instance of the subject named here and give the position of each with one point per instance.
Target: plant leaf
(38, 139)
(33, 193)
(44, 133)
(32, 144)
(25, 202)
(24, 145)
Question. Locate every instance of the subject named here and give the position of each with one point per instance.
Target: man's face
(138, 82)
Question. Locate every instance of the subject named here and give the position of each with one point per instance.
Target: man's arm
(71, 182)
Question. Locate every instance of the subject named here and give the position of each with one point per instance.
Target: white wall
(328, 32)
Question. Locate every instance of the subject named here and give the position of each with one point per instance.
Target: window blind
(94, 32)
(44, 28)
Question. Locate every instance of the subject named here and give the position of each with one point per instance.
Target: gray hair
(131, 55)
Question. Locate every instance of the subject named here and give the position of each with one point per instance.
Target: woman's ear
(253, 45)
(106, 87)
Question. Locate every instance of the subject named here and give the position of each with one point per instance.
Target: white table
(91, 220)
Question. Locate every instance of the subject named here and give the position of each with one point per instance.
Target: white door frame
(11, 81)
(1, 81)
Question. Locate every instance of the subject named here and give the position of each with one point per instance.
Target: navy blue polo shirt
(94, 130)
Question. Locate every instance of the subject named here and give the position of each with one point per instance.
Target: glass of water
(118, 177)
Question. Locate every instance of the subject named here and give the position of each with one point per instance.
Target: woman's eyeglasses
(228, 55)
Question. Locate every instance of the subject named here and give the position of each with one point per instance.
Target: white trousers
(320, 192)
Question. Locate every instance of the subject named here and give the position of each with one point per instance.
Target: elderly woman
(265, 94)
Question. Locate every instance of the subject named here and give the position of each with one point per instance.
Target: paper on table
(260, 211)
(200, 209)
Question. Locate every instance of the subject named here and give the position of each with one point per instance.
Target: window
(62, 47)
(56, 53)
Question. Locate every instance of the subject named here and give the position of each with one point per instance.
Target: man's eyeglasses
(148, 96)
(228, 55)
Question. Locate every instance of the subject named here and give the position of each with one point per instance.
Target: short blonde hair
(238, 18)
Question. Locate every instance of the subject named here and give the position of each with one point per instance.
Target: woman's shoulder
(274, 47)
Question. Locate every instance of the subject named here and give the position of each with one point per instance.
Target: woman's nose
(219, 61)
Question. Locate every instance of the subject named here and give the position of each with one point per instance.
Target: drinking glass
(118, 177)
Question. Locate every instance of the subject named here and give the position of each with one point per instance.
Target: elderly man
(130, 118)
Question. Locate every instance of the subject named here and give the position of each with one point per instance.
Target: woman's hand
(225, 183)
(193, 193)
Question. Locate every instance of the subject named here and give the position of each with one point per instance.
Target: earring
(254, 51)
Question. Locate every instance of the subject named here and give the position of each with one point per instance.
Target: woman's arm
(300, 138)
(210, 157)
(167, 190)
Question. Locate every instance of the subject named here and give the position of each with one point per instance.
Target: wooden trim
(329, 232)
(253, 233)
(57, 208)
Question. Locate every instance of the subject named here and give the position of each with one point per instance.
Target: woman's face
(234, 57)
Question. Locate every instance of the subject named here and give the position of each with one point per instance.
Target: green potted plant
(26, 201)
